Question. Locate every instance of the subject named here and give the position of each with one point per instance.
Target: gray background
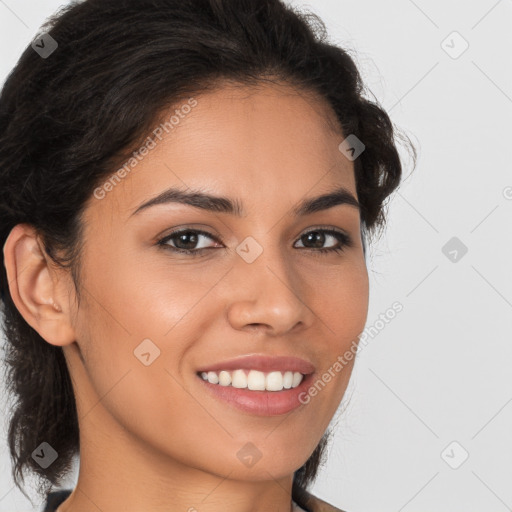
(434, 385)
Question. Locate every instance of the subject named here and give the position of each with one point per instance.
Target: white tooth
(287, 380)
(224, 378)
(256, 380)
(239, 379)
(274, 381)
(297, 379)
(213, 378)
(204, 375)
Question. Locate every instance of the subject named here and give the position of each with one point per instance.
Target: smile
(262, 401)
(254, 380)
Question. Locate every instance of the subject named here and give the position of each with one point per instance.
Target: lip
(263, 363)
(260, 403)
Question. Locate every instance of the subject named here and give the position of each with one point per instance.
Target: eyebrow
(222, 204)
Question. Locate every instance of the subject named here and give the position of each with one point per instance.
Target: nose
(268, 294)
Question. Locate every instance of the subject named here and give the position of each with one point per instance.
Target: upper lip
(263, 363)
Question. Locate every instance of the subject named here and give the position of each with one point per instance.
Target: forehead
(259, 143)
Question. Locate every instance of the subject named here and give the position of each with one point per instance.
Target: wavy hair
(67, 121)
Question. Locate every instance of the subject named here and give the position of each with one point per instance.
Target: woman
(187, 189)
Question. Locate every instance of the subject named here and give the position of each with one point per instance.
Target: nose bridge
(262, 262)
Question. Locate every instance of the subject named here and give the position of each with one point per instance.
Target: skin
(151, 438)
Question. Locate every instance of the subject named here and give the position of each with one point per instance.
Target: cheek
(150, 298)
(126, 324)
(341, 302)
(342, 307)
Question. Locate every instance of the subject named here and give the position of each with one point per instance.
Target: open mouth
(262, 395)
(254, 380)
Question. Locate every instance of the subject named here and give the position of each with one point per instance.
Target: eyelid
(189, 227)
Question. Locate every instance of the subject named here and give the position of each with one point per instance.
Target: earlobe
(35, 288)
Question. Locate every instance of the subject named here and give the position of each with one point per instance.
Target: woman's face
(151, 318)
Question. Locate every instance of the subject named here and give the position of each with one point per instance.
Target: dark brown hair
(67, 122)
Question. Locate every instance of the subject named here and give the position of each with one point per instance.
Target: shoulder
(318, 505)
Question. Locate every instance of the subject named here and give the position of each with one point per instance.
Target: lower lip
(262, 403)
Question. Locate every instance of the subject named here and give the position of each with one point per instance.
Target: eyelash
(344, 239)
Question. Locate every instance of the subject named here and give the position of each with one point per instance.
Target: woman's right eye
(187, 237)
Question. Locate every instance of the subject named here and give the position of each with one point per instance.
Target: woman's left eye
(317, 237)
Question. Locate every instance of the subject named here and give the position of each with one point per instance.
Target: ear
(38, 290)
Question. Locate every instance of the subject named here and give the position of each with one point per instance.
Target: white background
(441, 370)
